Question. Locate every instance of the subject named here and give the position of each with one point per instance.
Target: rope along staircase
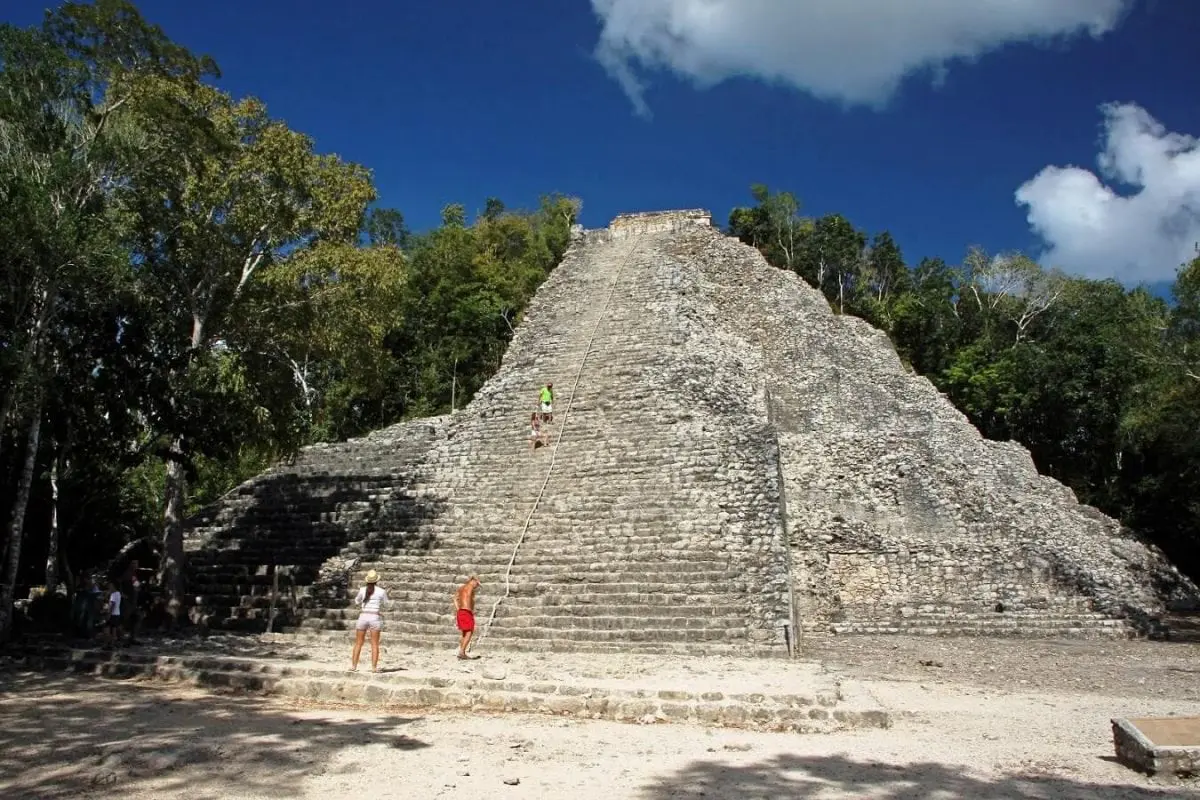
(558, 439)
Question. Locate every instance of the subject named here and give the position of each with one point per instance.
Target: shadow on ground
(817, 777)
(66, 736)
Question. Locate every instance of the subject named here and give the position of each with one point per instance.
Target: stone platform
(1159, 746)
(720, 691)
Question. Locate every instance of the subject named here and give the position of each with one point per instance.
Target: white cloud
(854, 51)
(1146, 235)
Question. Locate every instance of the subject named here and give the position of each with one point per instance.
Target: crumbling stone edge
(840, 706)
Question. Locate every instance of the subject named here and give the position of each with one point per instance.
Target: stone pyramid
(731, 466)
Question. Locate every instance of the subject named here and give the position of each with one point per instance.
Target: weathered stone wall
(899, 513)
(880, 583)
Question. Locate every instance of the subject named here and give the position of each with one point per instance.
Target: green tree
(65, 146)
(386, 226)
(884, 280)
(225, 194)
(926, 326)
(324, 315)
(1162, 462)
(833, 260)
(774, 226)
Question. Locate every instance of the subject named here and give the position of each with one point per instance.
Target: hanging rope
(562, 428)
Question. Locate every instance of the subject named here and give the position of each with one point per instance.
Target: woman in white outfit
(370, 599)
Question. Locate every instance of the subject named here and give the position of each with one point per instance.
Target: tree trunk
(171, 561)
(170, 568)
(52, 548)
(30, 353)
(17, 527)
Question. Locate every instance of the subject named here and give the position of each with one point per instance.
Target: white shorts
(547, 408)
(372, 622)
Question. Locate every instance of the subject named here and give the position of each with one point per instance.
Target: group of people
(372, 599)
(537, 433)
(119, 606)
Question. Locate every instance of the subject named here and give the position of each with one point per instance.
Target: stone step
(446, 637)
(572, 535)
(310, 604)
(530, 569)
(1049, 628)
(995, 620)
(431, 610)
(817, 705)
(633, 592)
(509, 619)
(632, 634)
(542, 581)
(262, 553)
(585, 558)
(549, 571)
(987, 616)
(576, 597)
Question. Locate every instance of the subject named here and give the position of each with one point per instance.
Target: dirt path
(973, 727)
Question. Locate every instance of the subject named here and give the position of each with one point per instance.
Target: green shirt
(547, 395)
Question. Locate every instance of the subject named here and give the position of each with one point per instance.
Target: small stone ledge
(658, 222)
(1177, 755)
(823, 708)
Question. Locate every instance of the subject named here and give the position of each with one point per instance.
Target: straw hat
(372, 577)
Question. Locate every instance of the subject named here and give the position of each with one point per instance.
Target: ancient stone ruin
(731, 467)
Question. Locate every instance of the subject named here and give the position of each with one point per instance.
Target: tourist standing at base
(113, 625)
(464, 608)
(87, 606)
(131, 590)
(370, 599)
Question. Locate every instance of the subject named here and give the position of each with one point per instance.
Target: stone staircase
(290, 521)
(656, 528)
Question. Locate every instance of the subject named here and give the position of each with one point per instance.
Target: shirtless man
(464, 606)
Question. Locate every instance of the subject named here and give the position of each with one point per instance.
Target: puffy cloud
(854, 51)
(1145, 235)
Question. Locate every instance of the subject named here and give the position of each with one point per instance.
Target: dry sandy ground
(973, 727)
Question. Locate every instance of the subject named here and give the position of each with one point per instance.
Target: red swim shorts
(466, 620)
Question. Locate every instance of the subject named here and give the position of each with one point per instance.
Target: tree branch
(253, 259)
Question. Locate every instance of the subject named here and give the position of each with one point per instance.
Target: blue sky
(923, 117)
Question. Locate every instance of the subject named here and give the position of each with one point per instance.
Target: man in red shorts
(464, 606)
